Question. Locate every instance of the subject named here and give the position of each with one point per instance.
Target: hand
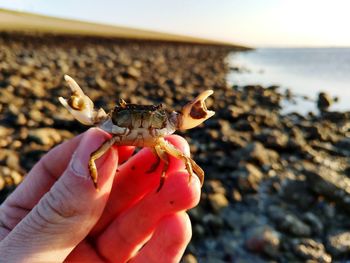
(56, 214)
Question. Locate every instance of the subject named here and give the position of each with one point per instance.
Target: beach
(277, 185)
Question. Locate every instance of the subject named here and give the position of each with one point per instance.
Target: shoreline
(277, 186)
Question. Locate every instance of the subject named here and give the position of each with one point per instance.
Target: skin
(57, 215)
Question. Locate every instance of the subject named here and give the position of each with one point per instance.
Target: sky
(256, 23)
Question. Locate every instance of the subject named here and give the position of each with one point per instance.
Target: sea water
(305, 71)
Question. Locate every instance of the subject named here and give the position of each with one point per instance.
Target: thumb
(66, 214)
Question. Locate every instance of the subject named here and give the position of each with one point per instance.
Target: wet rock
(339, 244)
(264, 240)
(310, 249)
(324, 101)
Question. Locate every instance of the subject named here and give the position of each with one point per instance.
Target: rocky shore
(277, 186)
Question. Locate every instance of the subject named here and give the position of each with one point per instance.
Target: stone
(10, 158)
(273, 138)
(256, 152)
(310, 249)
(339, 244)
(189, 258)
(288, 222)
(133, 72)
(248, 177)
(329, 183)
(215, 186)
(324, 101)
(297, 192)
(264, 240)
(218, 201)
(45, 136)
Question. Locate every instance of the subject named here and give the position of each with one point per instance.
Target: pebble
(265, 240)
(309, 249)
(218, 201)
(339, 244)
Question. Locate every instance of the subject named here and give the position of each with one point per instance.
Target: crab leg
(190, 164)
(97, 154)
(164, 157)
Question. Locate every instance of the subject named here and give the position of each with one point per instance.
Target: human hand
(56, 214)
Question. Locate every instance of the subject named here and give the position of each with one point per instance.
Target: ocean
(305, 71)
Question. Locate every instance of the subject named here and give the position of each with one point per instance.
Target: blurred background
(276, 154)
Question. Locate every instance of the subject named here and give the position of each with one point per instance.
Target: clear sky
(258, 23)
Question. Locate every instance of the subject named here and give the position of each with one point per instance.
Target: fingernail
(92, 140)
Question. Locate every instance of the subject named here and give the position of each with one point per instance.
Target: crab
(139, 125)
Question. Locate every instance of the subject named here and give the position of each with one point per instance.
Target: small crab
(139, 125)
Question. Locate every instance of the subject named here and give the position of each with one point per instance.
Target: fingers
(168, 241)
(68, 211)
(134, 180)
(121, 239)
(43, 175)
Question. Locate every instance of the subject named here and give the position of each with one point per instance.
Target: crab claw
(80, 105)
(195, 112)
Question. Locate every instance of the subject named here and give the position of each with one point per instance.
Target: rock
(315, 222)
(101, 83)
(218, 201)
(239, 219)
(297, 192)
(189, 258)
(248, 177)
(10, 158)
(215, 186)
(4, 131)
(329, 183)
(324, 101)
(45, 136)
(2, 183)
(273, 138)
(310, 249)
(236, 195)
(288, 222)
(264, 240)
(339, 244)
(256, 152)
(213, 222)
(133, 72)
